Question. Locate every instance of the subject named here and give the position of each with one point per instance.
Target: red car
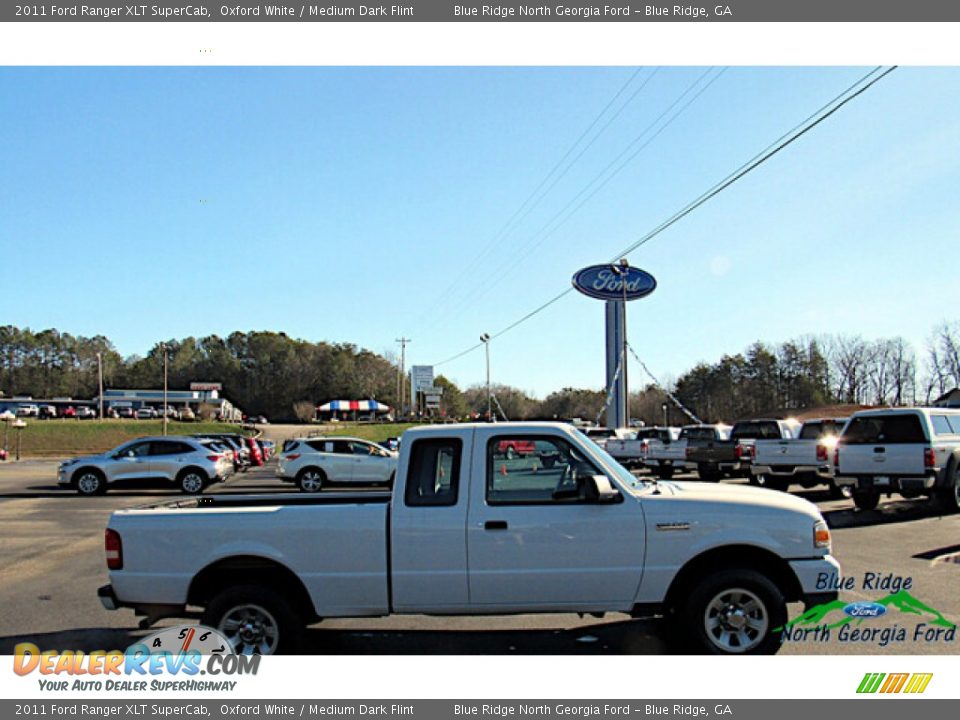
(512, 448)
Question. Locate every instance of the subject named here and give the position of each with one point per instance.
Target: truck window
(527, 470)
(943, 426)
(884, 430)
(756, 431)
(433, 477)
(812, 431)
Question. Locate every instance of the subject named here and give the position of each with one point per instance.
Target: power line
(547, 231)
(785, 140)
(513, 221)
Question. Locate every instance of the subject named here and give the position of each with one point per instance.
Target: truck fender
(251, 570)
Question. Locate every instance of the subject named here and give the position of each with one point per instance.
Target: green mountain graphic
(902, 601)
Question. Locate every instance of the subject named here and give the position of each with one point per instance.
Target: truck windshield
(623, 475)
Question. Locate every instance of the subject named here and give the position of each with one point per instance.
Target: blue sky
(341, 204)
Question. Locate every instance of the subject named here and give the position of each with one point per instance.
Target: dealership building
(199, 395)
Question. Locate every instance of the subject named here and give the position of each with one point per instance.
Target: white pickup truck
(911, 451)
(467, 531)
(631, 450)
(805, 460)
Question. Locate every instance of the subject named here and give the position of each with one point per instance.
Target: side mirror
(604, 490)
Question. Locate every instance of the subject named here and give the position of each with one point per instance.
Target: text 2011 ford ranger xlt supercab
(468, 530)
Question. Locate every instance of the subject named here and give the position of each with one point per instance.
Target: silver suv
(189, 463)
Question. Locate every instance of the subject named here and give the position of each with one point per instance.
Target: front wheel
(665, 472)
(866, 499)
(256, 620)
(90, 482)
(735, 612)
(191, 482)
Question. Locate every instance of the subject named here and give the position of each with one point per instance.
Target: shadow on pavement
(889, 511)
(631, 637)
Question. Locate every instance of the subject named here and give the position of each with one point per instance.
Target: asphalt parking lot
(51, 543)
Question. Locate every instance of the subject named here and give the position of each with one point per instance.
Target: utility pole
(165, 418)
(485, 339)
(100, 381)
(401, 377)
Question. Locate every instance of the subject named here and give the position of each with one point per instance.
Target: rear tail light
(821, 453)
(738, 451)
(214, 458)
(929, 458)
(114, 549)
(836, 457)
(292, 457)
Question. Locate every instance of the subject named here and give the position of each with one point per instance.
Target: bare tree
(848, 357)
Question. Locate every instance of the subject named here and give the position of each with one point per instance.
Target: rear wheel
(949, 495)
(311, 480)
(866, 499)
(735, 612)
(256, 620)
(90, 482)
(665, 472)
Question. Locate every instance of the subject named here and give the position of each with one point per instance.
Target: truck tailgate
(336, 545)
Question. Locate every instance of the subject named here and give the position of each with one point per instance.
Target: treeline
(281, 377)
(264, 373)
(803, 373)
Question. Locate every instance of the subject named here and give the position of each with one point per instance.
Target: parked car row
(190, 463)
(912, 452)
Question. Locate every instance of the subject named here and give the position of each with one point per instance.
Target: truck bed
(336, 543)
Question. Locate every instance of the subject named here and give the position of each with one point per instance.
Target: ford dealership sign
(601, 282)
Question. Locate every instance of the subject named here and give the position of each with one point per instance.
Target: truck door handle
(495, 525)
(879, 449)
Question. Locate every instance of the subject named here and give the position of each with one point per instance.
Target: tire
(191, 481)
(839, 492)
(866, 499)
(257, 620)
(311, 480)
(665, 472)
(735, 612)
(89, 481)
(770, 482)
(949, 495)
(511, 453)
(708, 473)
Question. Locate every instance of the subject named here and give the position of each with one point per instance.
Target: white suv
(911, 451)
(313, 462)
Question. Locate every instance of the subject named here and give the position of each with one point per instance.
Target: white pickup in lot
(559, 528)
(805, 460)
(911, 451)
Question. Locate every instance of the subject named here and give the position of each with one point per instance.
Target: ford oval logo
(865, 609)
(601, 282)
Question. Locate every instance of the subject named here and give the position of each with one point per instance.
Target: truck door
(536, 538)
(428, 543)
